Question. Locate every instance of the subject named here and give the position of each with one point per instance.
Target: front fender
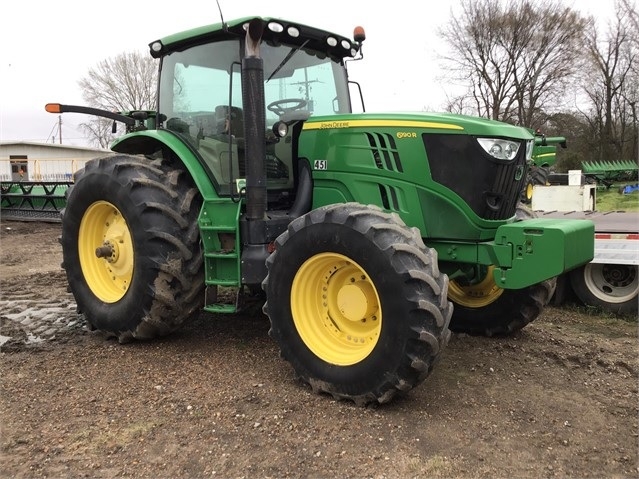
(148, 142)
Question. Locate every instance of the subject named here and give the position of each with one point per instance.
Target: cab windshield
(201, 97)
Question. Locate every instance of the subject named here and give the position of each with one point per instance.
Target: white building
(32, 161)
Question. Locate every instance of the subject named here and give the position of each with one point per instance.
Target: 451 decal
(320, 165)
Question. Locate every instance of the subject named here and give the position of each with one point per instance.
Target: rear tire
(130, 243)
(611, 287)
(356, 302)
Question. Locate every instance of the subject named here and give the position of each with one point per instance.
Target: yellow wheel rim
(529, 191)
(106, 251)
(336, 309)
(475, 295)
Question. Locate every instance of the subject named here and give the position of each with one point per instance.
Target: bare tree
(546, 57)
(633, 18)
(517, 58)
(99, 131)
(632, 97)
(126, 82)
(478, 58)
(612, 83)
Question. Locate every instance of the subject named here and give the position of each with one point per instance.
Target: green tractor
(544, 156)
(253, 180)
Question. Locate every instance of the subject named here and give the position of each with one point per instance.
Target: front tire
(356, 302)
(130, 243)
(486, 309)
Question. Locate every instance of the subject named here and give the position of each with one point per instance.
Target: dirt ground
(558, 399)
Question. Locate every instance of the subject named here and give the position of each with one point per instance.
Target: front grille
(490, 187)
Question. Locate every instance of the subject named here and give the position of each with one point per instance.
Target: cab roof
(276, 31)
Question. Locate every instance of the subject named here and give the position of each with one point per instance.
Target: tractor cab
(200, 98)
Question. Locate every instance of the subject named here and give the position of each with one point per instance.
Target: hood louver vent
(384, 152)
(389, 197)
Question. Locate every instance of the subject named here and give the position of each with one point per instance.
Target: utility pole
(60, 128)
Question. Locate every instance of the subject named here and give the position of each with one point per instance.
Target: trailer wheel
(130, 244)
(356, 302)
(483, 308)
(612, 287)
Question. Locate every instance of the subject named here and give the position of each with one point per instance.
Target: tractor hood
(443, 122)
(464, 172)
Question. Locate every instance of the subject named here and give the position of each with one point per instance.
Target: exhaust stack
(254, 123)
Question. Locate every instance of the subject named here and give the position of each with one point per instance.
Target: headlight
(530, 144)
(275, 27)
(500, 149)
(280, 129)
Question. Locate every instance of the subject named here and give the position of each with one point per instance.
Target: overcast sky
(47, 47)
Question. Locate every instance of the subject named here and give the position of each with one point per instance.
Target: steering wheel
(279, 106)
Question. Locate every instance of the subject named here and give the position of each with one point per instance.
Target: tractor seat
(234, 122)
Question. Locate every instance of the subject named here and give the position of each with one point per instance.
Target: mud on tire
(131, 248)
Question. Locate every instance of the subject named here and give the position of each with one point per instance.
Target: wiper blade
(286, 59)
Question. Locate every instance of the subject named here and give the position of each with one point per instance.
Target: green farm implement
(33, 200)
(609, 172)
(544, 156)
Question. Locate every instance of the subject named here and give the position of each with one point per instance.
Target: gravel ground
(558, 399)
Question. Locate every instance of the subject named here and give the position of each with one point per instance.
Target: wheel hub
(354, 301)
(336, 309)
(106, 251)
(618, 276)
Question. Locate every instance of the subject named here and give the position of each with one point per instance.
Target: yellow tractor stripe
(321, 125)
